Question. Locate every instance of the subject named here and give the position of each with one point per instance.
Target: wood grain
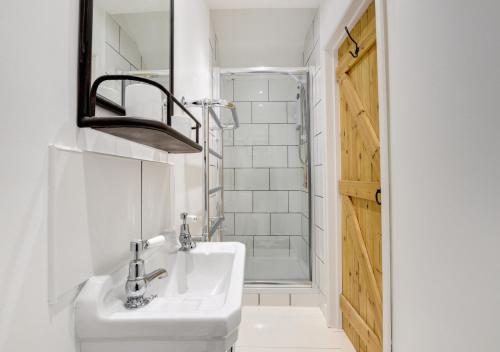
(358, 323)
(359, 189)
(360, 175)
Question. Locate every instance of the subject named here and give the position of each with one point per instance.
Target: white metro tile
(293, 156)
(295, 201)
(318, 184)
(322, 272)
(292, 112)
(283, 134)
(252, 179)
(274, 299)
(319, 212)
(270, 201)
(299, 249)
(229, 179)
(271, 246)
(238, 201)
(269, 112)
(237, 157)
(291, 179)
(246, 240)
(227, 89)
(305, 203)
(251, 89)
(112, 188)
(250, 299)
(318, 151)
(244, 111)
(270, 156)
(157, 200)
(251, 134)
(283, 89)
(320, 243)
(305, 299)
(318, 120)
(252, 224)
(228, 225)
(93, 199)
(305, 228)
(228, 137)
(286, 225)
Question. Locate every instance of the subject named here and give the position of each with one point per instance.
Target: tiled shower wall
(265, 197)
(321, 274)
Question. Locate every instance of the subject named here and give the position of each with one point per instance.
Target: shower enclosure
(267, 173)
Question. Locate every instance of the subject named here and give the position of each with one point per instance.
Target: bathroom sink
(197, 308)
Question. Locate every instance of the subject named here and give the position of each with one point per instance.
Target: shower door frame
(286, 71)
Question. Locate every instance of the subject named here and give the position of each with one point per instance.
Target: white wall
(444, 83)
(261, 37)
(38, 70)
(444, 169)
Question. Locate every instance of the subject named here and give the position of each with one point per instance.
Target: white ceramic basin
(198, 307)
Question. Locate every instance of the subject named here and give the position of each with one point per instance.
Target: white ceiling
(261, 37)
(262, 4)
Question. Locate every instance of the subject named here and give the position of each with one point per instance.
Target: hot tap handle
(155, 242)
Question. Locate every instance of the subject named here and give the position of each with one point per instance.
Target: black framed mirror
(124, 37)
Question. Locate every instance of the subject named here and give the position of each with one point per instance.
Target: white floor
(288, 329)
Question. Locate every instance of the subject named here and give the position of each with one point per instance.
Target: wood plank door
(361, 298)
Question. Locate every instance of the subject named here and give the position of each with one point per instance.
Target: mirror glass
(130, 37)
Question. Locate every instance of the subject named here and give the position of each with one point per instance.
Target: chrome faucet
(138, 281)
(185, 238)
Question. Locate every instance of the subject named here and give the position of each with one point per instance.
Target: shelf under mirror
(154, 133)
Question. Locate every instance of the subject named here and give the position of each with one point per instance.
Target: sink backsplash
(97, 204)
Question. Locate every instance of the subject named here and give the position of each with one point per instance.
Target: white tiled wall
(251, 179)
(95, 210)
(311, 60)
(265, 194)
(283, 298)
(269, 112)
(270, 156)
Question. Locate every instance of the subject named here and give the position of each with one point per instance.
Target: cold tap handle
(188, 218)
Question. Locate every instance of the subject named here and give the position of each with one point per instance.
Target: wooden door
(361, 298)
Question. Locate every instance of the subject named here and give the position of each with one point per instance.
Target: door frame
(354, 11)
